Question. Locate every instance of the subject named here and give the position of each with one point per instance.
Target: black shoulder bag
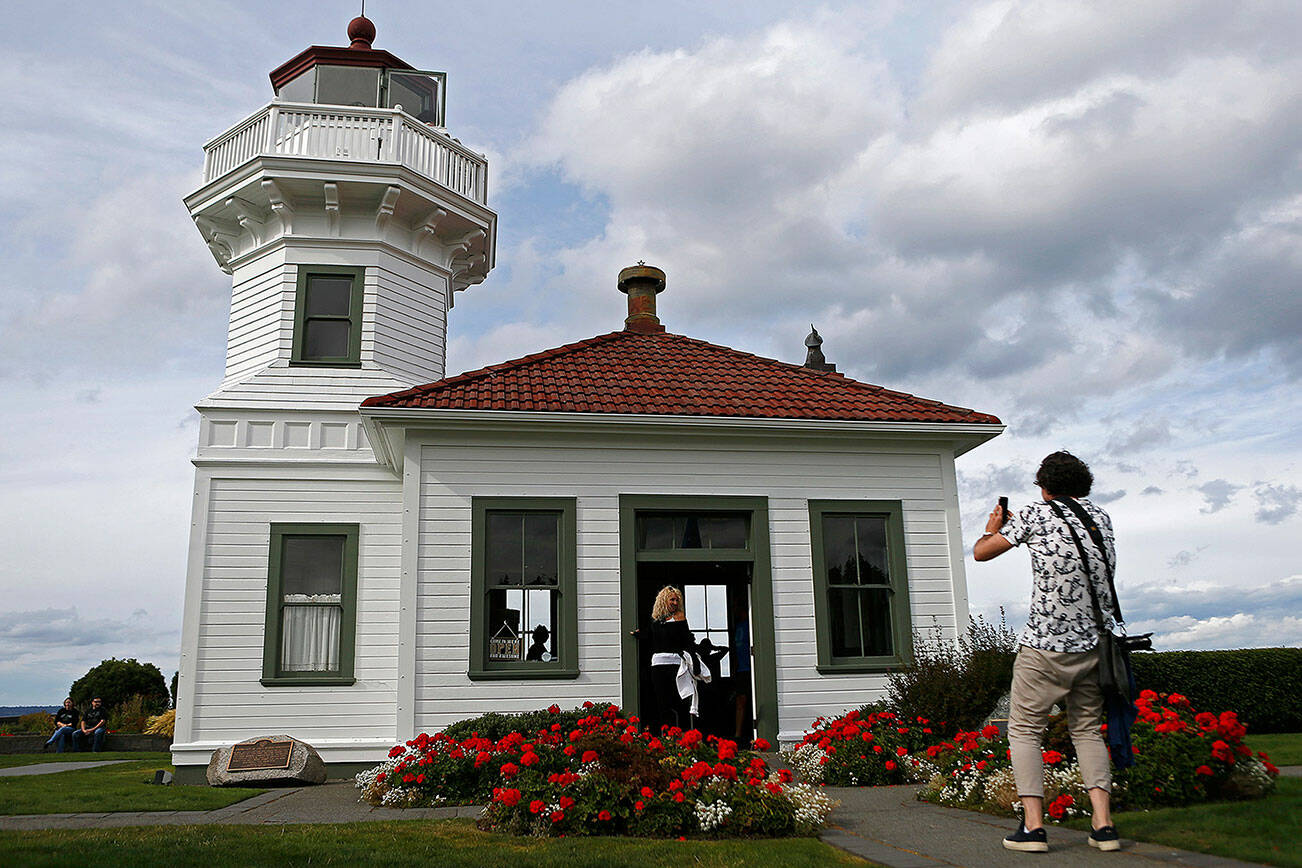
(1114, 651)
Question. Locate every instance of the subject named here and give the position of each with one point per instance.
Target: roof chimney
(814, 357)
(642, 283)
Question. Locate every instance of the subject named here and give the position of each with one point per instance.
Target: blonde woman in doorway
(670, 637)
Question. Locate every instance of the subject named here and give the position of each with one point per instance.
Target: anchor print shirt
(1061, 617)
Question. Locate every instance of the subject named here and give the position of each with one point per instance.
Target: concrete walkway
(334, 802)
(53, 768)
(888, 825)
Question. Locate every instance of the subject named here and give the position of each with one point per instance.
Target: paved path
(888, 825)
(330, 803)
(51, 768)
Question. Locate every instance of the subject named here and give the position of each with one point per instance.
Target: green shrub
(498, 726)
(1264, 685)
(955, 684)
(130, 715)
(38, 722)
(115, 681)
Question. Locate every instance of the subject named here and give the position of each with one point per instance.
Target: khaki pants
(1042, 679)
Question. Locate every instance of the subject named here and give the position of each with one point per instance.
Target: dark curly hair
(1064, 475)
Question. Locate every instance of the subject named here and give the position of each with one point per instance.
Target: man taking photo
(1058, 656)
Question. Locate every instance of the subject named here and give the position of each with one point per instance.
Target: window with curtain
(861, 593)
(311, 603)
(524, 606)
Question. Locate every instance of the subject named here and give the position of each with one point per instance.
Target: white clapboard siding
(229, 702)
(262, 290)
(597, 472)
(404, 311)
(408, 319)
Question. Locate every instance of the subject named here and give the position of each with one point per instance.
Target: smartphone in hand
(1003, 506)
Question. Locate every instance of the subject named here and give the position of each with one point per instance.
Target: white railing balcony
(373, 135)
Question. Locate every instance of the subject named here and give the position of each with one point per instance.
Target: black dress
(669, 637)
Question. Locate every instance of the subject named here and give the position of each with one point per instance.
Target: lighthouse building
(378, 549)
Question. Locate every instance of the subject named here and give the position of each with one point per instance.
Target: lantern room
(360, 75)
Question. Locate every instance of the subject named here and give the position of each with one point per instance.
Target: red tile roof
(660, 373)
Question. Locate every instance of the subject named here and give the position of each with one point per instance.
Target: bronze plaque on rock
(261, 754)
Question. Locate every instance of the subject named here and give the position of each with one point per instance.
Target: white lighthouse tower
(348, 218)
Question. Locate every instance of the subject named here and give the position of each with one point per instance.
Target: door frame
(764, 663)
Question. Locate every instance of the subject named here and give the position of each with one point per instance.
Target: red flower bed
(605, 775)
(867, 750)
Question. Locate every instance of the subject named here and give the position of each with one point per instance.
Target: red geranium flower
(901, 751)
(589, 756)
(761, 744)
(1204, 770)
(1052, 757)
(557, 816)
(603, 815)
(528, 759)
(510, 770)
(536, 806)
(638, 805)
(554, 709)
(565, 802)
(890, 765)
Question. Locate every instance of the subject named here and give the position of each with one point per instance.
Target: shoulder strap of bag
(1092, 528)
(1085, 564)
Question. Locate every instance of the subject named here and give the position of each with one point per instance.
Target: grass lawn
(1263, 830)
(407, 842)
(1284, 748)
(162, 758)
(123, 787)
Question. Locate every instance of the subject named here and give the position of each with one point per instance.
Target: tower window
(328, 316)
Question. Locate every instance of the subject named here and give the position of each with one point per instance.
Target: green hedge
(497, 726)
(1263, 685)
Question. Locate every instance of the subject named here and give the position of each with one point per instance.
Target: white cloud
(1217, 493)
(1277, 502)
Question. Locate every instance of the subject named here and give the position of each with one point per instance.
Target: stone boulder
(305, 765)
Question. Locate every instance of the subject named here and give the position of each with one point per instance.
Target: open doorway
(717, 600)
(716, 549)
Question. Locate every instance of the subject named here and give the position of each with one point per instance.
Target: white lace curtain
(310, 633)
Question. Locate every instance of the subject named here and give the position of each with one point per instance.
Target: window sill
(292, 681)
(865, 667)
(302, 363)
(522, 675)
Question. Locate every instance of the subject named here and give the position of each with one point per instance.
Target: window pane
(417, 94)
(326, 338)
(838, 549)
(329, 295)
(716, 607)
(505, 544)
(311, 565)
(873, 565)
(300, 89)
(724, 532)
(541, 562)
(694, 606)
(522, 625)
(861, 622)
(310, 638)
(657, 531)
(348, 85)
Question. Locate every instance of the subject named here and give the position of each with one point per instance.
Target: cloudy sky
(1085, 218)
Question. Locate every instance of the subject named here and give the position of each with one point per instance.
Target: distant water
(20, 710)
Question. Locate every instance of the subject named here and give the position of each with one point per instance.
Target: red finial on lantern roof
(361, 30)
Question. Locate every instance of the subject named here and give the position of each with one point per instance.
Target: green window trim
(764, 665)
(354, 357)
(566, 624)
(901, 622)
(272, 674)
